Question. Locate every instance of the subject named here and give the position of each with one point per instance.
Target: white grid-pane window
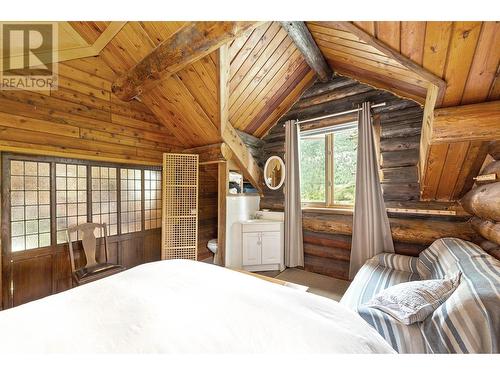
(152, 199)
(30, 205)
(131, 199)
(104, 198)
(71, 198)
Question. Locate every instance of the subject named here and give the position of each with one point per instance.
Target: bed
(181, 306)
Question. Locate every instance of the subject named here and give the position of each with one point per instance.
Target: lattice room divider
(180, 206)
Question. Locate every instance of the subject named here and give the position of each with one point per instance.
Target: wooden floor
(318, 284)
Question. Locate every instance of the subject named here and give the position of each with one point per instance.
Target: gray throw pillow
(414, 301)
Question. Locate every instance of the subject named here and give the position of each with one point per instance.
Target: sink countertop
(260, 221)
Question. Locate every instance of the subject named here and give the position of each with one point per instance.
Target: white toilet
(212, 246)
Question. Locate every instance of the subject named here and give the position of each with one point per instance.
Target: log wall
(327, 233)
(483, 201)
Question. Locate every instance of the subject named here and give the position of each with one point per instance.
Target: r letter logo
(28, 56)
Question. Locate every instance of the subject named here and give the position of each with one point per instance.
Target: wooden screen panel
(104, 198)
(152, 199)
(30, 205)
(131, 200)
(71, 198)
(180, 206)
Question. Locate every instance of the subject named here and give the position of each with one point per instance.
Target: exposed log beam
(487, 229)
(386, 50)
(474, 122)
(189, 44)
(241, 154)
(483, 201)
(444, 128)
(415, 231)
(494, 149)
(243, 157)
(216, 153)
(301, 36)
(425, 137)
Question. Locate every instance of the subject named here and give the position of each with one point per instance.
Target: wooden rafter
(192, 42)
(473, 122)
(299, 33)
(243, 157)
(211, 154)
(430, 103)
(391, 53)
(240, 152)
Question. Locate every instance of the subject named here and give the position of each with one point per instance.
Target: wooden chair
(92, 269)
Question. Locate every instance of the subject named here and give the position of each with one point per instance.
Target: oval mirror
(274, 172)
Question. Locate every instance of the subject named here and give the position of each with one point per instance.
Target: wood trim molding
(107, 35)
(222, 191)
(386, 50)
(91, 49)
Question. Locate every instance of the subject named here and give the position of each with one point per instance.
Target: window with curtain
(328, 166)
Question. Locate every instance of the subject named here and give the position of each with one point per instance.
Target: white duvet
(186, 307)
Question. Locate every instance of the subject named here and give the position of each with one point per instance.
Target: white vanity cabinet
(262, 245)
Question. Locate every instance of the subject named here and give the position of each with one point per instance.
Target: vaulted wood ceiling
(466, 55)
(268, 74)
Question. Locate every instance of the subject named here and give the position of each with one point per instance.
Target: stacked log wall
(327, 233)
(483, 201)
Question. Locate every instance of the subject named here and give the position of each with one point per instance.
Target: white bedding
(186, 307)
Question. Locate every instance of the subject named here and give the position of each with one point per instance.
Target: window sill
(329, 210)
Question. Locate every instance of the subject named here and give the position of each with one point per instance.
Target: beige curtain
(371, 230)
(294, 251)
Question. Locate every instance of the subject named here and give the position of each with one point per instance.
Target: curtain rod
(337, 114)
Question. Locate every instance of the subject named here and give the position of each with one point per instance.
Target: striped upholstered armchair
(467, 322)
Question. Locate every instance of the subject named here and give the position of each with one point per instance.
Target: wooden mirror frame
(282, 181)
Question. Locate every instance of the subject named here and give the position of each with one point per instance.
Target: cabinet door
(251, 249)
(271, 247)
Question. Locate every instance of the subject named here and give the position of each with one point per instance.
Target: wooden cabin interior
(168, 133)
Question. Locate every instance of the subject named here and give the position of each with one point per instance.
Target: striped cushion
(398, 262)
(414, 301)
(469, 321)
(371, 279)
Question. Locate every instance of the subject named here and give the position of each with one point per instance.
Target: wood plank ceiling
(465, 54)
(268, 74)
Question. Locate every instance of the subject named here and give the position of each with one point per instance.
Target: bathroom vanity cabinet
(262, 245)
